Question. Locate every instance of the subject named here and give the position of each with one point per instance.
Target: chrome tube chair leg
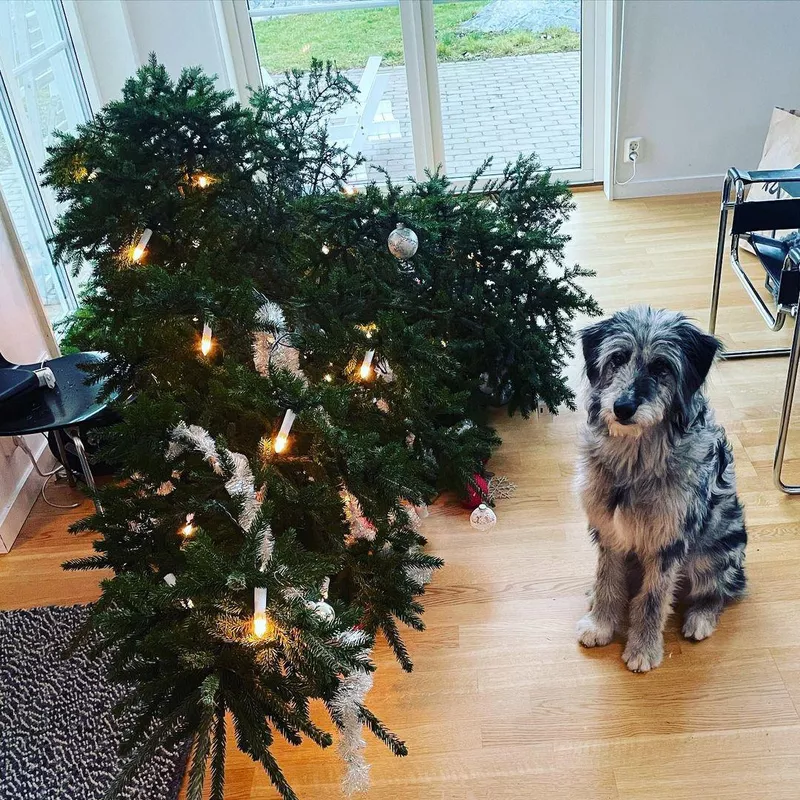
(774, 323)
(62, 454)
(786, 416)
(723, 228)
(80, 450)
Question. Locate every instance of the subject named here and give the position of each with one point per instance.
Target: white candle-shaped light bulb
(141, 245)
(325, 249)
(205, 341)
(203, 181)
(282, 439)
(349, 190)
(171, 580)
(366, 365)
(260, 611)
(328, 377)
(188, 529)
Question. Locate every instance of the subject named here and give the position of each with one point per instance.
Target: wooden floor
(503, 703)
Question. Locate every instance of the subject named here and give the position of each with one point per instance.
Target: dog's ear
(591, 339)
(699, 350)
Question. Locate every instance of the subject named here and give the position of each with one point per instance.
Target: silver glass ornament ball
(324, 611)
(483, 518)
(403, 242)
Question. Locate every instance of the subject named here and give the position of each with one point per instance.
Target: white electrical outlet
(631, 146)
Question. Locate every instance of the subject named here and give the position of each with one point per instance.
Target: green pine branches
(251, 239)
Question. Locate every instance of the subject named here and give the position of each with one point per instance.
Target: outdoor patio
(497, 107)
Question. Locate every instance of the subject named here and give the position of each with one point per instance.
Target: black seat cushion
(76, 400)
(785, 285)
(14, 382)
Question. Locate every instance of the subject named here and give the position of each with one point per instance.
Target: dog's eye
(660, 368)
(619, 358)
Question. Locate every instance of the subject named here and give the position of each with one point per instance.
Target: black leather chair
(71, 405)
(781, 264)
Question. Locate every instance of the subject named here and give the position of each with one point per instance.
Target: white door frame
(422, 78)
(236, 28)
(419, 46)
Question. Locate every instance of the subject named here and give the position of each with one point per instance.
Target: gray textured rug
(58, 737)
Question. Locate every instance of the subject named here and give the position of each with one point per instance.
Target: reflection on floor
(503, 704)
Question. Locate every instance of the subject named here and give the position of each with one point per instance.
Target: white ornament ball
(403, 242)
(483, 518)
(324, 611)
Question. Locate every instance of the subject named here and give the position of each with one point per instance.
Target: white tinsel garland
(270, 314)
(421, 576)
(240, 483)
(501, 488)
(344, 707)
(193, 437)
(360, 526)
(414, 517)
(272, 349)
(353, 688)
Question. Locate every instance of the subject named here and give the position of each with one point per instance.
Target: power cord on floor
(58, 471)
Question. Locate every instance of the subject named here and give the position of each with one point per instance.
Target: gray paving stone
(499, 107)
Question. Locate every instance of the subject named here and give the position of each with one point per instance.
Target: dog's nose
(625, 409)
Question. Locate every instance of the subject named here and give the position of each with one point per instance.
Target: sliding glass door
(449, 82)
(365, 40)
(510, 82)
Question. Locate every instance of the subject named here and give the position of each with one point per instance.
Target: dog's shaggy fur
(657, 481)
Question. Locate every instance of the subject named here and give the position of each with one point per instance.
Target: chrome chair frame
(738, 180)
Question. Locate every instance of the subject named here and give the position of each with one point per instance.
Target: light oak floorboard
(503, 703)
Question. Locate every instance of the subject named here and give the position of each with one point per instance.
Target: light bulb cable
(632, 157)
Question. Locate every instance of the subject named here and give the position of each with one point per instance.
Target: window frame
(18, 127)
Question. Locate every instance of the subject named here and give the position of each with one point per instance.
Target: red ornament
(474, 497)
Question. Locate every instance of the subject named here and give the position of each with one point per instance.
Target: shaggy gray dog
(657, 481)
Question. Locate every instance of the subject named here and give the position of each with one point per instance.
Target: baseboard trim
(17, 507)
(666, 186)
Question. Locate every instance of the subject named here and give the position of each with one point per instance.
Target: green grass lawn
(350, 37)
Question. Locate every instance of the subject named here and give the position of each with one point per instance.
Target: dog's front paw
(593, 633)
(699, 625)
(643, 658)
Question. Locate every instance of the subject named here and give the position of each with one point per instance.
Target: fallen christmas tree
(290, 392)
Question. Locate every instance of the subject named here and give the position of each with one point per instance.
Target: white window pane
(50, 101)
(30, 27)
(41, 92)
(55, 294)
(509, 82)
(367, 45)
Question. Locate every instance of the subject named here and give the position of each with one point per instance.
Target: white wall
(699, 81)
(182, 33)
(106, 51)
(23, 339)
(117, 37)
